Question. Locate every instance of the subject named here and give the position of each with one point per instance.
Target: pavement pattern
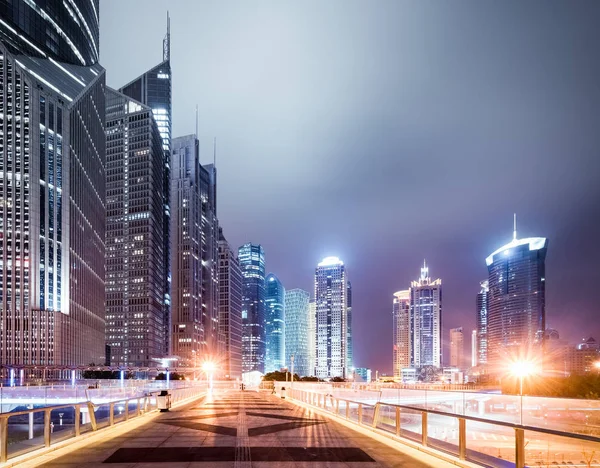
(242, 430)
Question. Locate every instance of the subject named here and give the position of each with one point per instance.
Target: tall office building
(457, 347)
(252, 263)
(194, 247)
(312, 338)
(134, 261)
(274, 323)
(349, 347)
(332, 319)
(516, 301)
(297, 326)
(52, 178)
(153, 89)
(402, 347)
(230, 309)
(426, 320)
(482, 324)
(474, 360)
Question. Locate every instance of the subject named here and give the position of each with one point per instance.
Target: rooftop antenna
(167, 41)
(196, 121)
(515, 226)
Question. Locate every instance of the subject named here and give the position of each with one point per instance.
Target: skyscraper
(297, 330)
(457, 347)
(275, 323)
(516, 301)
(52, 161)
(402, 345)
(312, 337)
(135, 267)
(332, 319)
(426, 320)
(153, 89)
(252, 263)
(349, 347)
(474, 361)
(194, 244)
(482, 324)
(230, 309)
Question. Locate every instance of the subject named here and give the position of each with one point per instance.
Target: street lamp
(597, 365)
(209, 367)
(522, 369)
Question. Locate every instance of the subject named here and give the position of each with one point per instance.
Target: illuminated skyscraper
(482, 324)
(297, 330)
(52, 184)
(275, 323)
(333, 325)
(474, 361)
(516, 301)
(312, 337)
(457, 347)
(402, 346)
(426, 320)
(252, 262)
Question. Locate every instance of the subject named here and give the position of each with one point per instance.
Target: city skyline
(559, 208)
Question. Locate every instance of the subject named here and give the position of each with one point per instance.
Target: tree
(172, 376)
(338, 379)
(278, 376)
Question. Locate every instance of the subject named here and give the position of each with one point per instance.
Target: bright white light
(208, 366)
(523, 368)
(534, 243)
(330, 261)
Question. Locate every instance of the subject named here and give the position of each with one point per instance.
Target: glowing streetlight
(597, 365)
(522, 369)
(209, 367)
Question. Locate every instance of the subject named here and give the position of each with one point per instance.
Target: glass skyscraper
(275, 323)
(481, 336)
(402, 348)
(333, 325)
(426, 320)
(297, 326)
(252, 262)
(516, 301)
(52, 179)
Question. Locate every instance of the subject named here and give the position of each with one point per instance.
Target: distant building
(312, 338)
(332, 319)
(362, 374)
(252, 263)
(516, 301)
(297, 331)
(230, 309)
(481, 352)
(457, 348)
(426, 320)
(349, 346)
(274, 324)
(474, 348)
(402, 344)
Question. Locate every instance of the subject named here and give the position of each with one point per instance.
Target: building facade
(332, 319)
(274, 323)
(312, 338)
(194, 247)
(474, 348)
(426, 320)
(230, 310)
(252, 263)
(516, 301)
(297, 326)
(135, 267)
(457, 348)
(402, 344)
(52, 179)
(482, 324)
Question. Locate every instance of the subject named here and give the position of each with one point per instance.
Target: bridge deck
(241, 429)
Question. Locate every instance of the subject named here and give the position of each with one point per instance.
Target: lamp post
(522, 369)
(209, 368)
(292, 360)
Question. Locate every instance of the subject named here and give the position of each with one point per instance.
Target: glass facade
(426, 320)
(252, 263)
(332, 319)
(401, 332)
(66, 31)
(275, 323)
(516, 301)
(297, 328)
(481, 348)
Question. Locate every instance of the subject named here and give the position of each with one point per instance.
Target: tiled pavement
(237, 429)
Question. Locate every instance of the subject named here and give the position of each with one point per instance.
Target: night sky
(386, 133)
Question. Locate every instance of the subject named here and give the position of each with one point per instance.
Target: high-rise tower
(482, 324)
(297, 325)
(252, 262)
(457, 347)
(402, 346)
(275, 323)
(332, 319)
(516, 301)
(426, 320)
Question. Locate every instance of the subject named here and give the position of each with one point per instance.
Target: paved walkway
(237, 429)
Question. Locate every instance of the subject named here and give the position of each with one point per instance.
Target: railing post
(111, 413)
(137, 408)
(3, 439)
(519, 448)
(359, 414)
(347, 410)
(398, 421)
(77, 421)
(462, 438)
(92, 415)
(376, 414)
(337, 406)
(47, 422)
(424, 428)
(126, 410)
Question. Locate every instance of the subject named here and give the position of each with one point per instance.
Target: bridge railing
(33, 429)
(475, 439)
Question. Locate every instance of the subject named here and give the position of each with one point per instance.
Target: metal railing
(25, 431)
(482, 441)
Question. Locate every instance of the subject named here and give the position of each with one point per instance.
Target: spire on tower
(167, 41)
(424, 271)
(515, 226)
